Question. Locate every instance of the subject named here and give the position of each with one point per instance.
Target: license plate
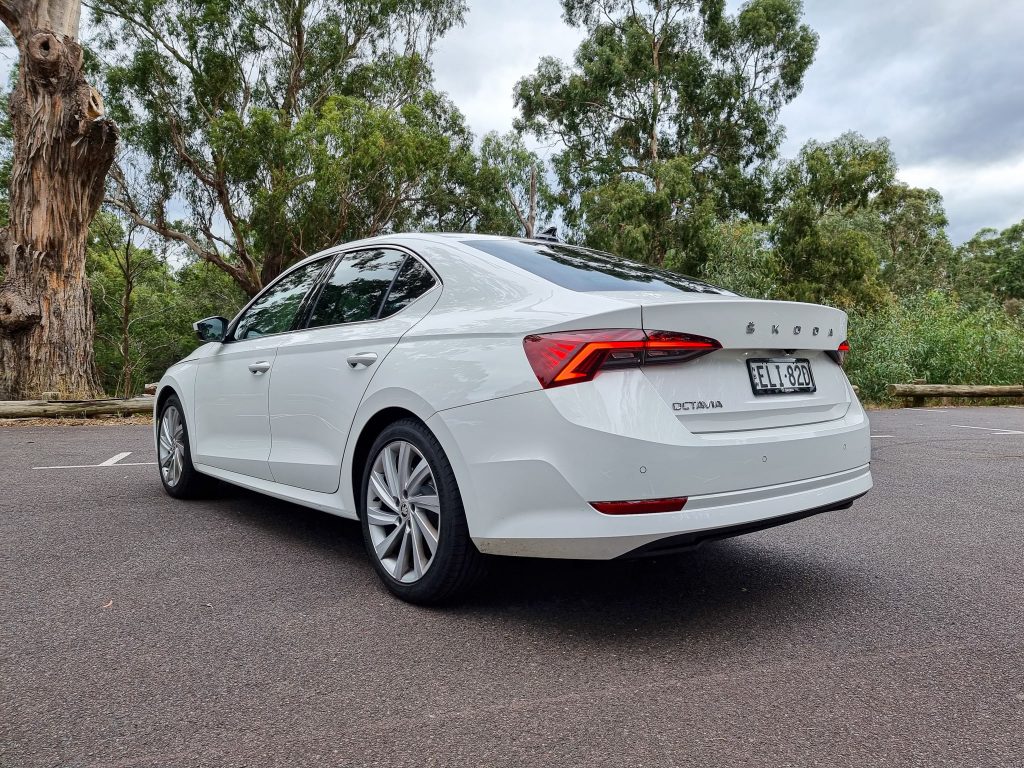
(780, 375)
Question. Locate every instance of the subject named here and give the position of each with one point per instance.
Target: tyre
(174, 457)
(414, 524)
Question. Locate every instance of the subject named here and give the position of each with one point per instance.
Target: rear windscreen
(581, 269)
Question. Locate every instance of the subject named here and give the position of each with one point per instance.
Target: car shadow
(318, 531)
(748, 584)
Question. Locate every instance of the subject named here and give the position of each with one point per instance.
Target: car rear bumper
(602, 537)
(530, 465)
(685, 541)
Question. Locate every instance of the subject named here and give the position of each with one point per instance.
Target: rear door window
(355, 291)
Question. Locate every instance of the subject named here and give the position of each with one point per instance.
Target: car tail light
(569, 357)
(642, 507)
(839, 355)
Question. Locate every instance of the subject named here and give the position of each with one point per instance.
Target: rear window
(581, 269)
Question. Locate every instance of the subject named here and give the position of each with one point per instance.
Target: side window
(356, 289)
(412, 282)
(275, 310)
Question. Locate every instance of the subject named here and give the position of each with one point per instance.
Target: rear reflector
(569, 357)
(642, 507)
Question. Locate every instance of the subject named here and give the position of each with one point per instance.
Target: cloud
(980, 195)
(502, 41)
(941, 80)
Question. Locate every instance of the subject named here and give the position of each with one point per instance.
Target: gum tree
(62, 147)
(667, 118)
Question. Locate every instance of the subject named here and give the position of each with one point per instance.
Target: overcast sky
(942, 79)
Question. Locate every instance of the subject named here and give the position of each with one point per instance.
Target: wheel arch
(162, 396)
(376, 412)
(361, 451)
(179, 379)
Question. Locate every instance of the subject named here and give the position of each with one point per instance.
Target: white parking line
(874, 436)
(991, 430)
(113, 461)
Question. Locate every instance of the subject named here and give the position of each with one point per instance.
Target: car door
(232, 421)
(370, 299)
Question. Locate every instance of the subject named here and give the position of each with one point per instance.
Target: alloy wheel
(403, 511)
(171, 446)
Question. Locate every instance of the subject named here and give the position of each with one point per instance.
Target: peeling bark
(63, 147)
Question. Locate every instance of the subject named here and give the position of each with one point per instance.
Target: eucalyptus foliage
(667, 117)
(992, 262)
(847, 232)
(274, 129)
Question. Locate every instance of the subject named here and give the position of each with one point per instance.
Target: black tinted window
(275, 310)
(581, 269)
(357, 287)
(412, 282)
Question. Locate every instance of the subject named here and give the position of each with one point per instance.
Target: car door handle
(363, 358)
(257, 368)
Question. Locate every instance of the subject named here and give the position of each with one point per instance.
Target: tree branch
(12, 13)
(518, 212)
(124, 204)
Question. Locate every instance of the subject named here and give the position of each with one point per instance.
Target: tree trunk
(126, 325)
(63, 147)
(531, 219)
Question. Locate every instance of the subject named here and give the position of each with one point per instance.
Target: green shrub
(937, 338)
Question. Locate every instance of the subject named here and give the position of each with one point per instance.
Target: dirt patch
(96, 421)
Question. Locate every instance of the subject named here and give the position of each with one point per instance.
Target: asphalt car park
(136, 630)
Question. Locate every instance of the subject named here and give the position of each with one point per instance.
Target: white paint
(101, 466)
(991, 430)
(114, 459)
(874, 436)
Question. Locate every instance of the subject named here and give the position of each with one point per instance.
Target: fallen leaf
(109, 604)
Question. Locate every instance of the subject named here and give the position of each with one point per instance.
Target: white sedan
(464, 395)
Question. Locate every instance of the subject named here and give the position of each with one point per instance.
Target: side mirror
(211, 328)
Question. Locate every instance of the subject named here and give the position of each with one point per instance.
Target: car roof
(407, 238)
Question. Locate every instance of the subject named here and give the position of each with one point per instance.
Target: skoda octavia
(465, 395)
